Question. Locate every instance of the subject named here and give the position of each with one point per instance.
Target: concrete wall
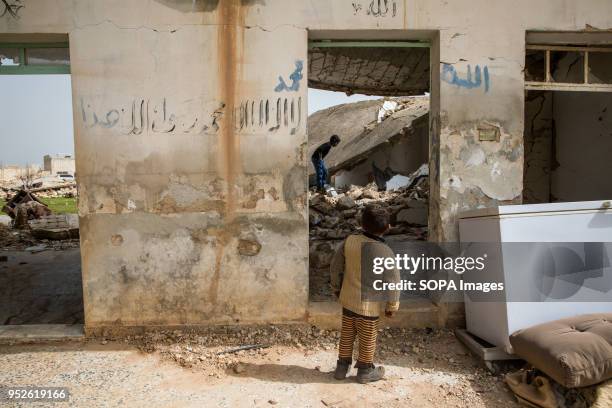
(59, 164)
(583, 144)
(568, 143)
(567, 138)
(538, 139)
(171, 179)
(12, 173)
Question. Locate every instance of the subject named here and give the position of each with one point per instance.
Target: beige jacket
(346, 273)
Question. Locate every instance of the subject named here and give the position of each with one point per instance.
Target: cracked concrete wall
(583, 143)
(403, 155)
(567, 146)
(482, 96)
(539, 155)
(190, 161)
(190, 130)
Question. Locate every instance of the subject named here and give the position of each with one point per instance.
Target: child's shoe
(370, 374)
(342, 368)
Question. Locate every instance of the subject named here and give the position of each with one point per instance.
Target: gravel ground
(425, 368)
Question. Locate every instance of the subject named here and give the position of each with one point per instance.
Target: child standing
(359, 316)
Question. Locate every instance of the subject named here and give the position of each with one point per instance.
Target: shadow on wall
(187, 6)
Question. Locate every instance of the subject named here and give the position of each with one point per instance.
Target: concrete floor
(41, 288)
(41, 332)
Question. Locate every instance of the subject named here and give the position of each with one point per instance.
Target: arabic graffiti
(141, 114)
(295, 77)
(11, 7)
(481, 77)
(144, 115)
(377, 8)
(283, 112)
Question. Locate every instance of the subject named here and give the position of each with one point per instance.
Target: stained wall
(190, 134)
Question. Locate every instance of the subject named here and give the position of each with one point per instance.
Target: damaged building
(382, 160)
(192, 149)
(59, 164)
(567, 119)
(380, 139)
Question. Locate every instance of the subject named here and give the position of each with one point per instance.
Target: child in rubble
(359, 316)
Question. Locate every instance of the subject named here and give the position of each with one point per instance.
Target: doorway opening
(40, 261)
(568, 117)
(374, 95)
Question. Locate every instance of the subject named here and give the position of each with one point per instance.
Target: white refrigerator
(575, 222)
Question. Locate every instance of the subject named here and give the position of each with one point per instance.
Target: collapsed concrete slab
(393, 71)
(55, 227)
(379, 139)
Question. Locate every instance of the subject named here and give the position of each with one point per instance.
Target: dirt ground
(425, 368)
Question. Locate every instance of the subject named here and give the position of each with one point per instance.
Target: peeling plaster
(155, 196)
(476, 173)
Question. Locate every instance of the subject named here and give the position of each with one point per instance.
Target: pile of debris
(44, 190)
(391, 133)
(31, 225)
(335, 215)
(62, 190)
(25, 206)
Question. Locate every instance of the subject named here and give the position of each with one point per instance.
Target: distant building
(59, 164)
(12, 173)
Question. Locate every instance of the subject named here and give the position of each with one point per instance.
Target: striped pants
(365, 329)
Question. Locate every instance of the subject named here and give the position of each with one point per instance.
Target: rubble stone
(355, 192)
(331, 222)
(345, 203)
(55, 227)
(321, 255)
(371, 194)
(314, 218)
(416, 216)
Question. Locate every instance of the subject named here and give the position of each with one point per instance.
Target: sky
(36, 116)
(318, 99)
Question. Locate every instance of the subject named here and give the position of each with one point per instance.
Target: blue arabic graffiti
(295, 78)
(449, 75)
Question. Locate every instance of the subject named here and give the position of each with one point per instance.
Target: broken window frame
(549, 85)
(36, 69)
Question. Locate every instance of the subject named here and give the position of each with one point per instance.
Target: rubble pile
(25, 206)
(333, 217)
(31, 225)
(24, 240)
(67, 190)
(10, 239)
(336, 217)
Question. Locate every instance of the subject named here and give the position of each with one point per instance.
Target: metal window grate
(549, 83)
(34, 58)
